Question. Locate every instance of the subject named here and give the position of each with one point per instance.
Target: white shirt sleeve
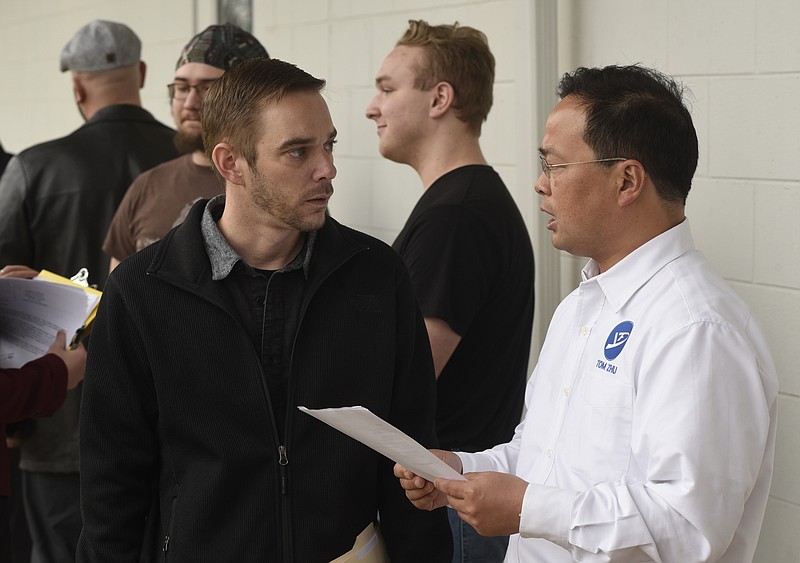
(700, 425)
(701, 419)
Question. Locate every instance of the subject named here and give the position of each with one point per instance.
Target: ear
(227, 162)
(631, 182)
(78, 90)
(443, 97)
(142, 73)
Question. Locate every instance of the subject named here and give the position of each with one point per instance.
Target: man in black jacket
(56, 202)
(207, 341)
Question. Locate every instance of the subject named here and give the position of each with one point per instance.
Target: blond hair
(460, 56)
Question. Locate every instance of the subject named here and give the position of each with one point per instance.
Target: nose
(542, 184)
(372, 109)
(194, 99)
(325, 169)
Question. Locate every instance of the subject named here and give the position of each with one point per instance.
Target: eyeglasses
(547, 167)
(180, 90)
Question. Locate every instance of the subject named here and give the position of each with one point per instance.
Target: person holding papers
(57, 199)
(207, 341)
(36, 389)
(651, 415)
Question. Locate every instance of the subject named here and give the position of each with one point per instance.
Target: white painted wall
(741, 60)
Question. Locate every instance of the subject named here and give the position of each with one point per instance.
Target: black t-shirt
(471, 263)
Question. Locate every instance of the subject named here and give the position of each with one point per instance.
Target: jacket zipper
(283, 459)
(165, 546)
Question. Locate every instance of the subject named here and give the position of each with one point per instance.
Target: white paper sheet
(31, 313)
(361, 424)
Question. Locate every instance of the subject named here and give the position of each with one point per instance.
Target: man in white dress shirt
(650, 428)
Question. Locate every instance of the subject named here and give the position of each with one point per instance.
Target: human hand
(17, 271)
(420, 491)
(490, 502)
(75, 359)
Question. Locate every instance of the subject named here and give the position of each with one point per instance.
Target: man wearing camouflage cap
(160, 198)
(56, 202)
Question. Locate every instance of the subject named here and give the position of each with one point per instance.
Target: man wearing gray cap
(56, 201)
(160, 198)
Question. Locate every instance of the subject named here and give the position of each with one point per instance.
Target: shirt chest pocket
(597, 433)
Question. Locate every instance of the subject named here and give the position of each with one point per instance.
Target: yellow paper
(95, 295)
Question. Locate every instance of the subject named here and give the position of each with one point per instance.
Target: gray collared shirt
(223, 257)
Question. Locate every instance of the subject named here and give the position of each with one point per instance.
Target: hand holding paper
(33, 310)
(360, 423)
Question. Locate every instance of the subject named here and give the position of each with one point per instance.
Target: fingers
(401, 472)
(415, 482)
(60, 343)
(410, 481)
(418, 489)
(18, 271)
(454, 489)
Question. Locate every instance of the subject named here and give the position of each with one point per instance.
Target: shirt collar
(223, 257)
(626, 277)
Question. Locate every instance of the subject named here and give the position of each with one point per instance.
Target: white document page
(360, 423)
(31, 313)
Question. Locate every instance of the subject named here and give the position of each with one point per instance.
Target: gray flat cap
(101, 45)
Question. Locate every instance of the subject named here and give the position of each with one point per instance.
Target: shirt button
(584, 330)
(566, 391)
(549, 453)
(260, 300)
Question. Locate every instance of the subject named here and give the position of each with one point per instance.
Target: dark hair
(232, 105)
(460, 56)
(639, 113)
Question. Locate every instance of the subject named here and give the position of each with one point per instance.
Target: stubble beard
(282, 208)
(187, 143)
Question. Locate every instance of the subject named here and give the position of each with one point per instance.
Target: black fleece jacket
(180, 456)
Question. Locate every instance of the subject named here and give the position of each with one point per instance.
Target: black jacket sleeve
(118, 442)
(412, 535)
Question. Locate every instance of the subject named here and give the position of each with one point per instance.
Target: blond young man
(465, 243)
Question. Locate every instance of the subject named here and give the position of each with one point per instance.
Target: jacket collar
(181, 258)
(223, 257)
(120, 112)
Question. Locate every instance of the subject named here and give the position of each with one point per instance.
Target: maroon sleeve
(36, 389)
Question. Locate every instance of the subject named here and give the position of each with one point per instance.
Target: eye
(329, 145)
(182, 88)
(297, 153)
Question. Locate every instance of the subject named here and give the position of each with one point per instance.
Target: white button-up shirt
(650, 426)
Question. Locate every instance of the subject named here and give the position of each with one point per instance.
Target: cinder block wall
(740, 59)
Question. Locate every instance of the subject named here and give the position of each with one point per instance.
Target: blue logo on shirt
(616, 340)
